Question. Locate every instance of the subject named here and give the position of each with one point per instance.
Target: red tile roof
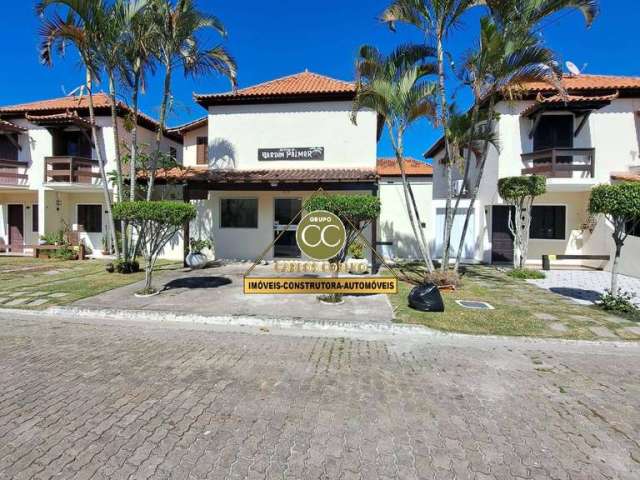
(626, 176)
(101, 102)
(187, 127)
(587, 82)
(10, 127)
(300, 85)
(59, 118)
(204, 174)
(573, 100)
(388, 167)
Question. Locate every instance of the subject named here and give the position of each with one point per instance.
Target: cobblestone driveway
(110, 400)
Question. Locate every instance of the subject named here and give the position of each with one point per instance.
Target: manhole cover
(475, 305)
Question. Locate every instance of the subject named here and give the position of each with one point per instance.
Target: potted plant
(196, 259)
(105, 245)
(357, 262)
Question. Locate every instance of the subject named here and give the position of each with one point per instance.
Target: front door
(16, 228)
(286, 210)
(501, 237)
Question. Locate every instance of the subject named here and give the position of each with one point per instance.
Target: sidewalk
(219, 291)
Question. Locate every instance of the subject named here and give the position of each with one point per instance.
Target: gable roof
(101, 103)
(189, 126)
(607, 87)
(304, 86)
(388, 167)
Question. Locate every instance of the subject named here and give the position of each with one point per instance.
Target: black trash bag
(426, 298)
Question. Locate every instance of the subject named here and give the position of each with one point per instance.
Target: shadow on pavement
(197, 282)
(578, 293)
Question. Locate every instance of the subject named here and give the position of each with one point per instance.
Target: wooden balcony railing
(560, 162)
(70, 169)
(13, 172)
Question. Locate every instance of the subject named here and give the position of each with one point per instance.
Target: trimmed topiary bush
(155, 223)
(526, 274)
(620, 204)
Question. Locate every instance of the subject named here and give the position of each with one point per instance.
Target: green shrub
(526, 273)
(196, 246)
(53, 238)
(620, 303)
(356, 250)
(65, 252)
(123, 266)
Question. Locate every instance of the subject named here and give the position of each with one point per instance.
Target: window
(8, 147)
(548, 222)
(35, 224)
(90, 218)
(633, 230)
(173, 153)
(239, 213)
(202, 150)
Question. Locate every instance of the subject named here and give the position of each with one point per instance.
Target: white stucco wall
(189, 149)
(236, 133)
(394, 225)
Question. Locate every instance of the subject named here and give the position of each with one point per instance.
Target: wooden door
(501, 237)
(16, 228)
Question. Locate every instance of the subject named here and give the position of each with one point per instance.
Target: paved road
(108, 400)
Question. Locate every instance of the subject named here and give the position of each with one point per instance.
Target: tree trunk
(422, 248)
(163, 118)
(134, 138)
(116, 142)
(103, 175)
(478, 181)
(614, 267)
(448, 167)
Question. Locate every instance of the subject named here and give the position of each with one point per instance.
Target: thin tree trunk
(448, 167)
(163, 118)
(476, 185)
(116, 142)
(614, 267)
(134, 138)
(423, 249)
(103, 175)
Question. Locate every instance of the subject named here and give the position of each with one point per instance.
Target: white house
(49, 175)
(262, 150)
(579, 141)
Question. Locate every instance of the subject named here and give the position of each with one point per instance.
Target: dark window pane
(8, 148)
(90, 218)
(633, 228)
(548, 222)
(35, 224)
(239, 213)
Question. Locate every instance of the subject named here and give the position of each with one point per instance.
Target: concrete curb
(239, 320)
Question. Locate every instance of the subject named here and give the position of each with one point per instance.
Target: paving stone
(603, 332)
(545, 316)
(161, 401)
(16, 301)
(17, 294)
(580, 318)
(558, 327)
(614, 319)
(58, 295)
(3, 299)
(38, 301)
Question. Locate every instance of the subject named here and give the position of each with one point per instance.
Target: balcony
(560, 163)
(70, 169)
(13, 173)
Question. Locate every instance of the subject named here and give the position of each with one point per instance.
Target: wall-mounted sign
(297, 153)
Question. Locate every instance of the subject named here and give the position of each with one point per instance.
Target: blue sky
(275, 38)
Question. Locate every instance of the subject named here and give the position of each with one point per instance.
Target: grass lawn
(521, 309)
(31, 283)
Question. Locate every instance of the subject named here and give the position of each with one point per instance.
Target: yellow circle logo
(321, 235)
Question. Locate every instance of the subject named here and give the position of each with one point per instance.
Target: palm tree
(178, 45)
(395, 88)
(436, 19)
(509, 54)
(84, 22)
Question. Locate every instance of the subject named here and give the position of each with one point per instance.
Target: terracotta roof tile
(573, 100)
(187, 127)
(101, 101)
(10, 127)
(60, 118)
(297, 85)
(388, 167)
(588, 82)
(204, 174)
(626, 176)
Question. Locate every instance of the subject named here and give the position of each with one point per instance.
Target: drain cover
(475, 305)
